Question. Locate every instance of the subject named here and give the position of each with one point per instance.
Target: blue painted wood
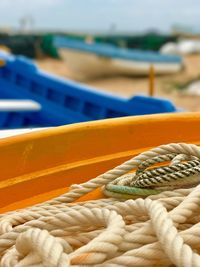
(64, 101)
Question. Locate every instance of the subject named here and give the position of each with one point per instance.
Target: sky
(102, 15)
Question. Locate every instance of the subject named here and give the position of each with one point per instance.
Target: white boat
(91, 59)
(182, 47)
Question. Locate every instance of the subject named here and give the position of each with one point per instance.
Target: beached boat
(92, 59)
(83, 227)
(59, 101)
(145, 41)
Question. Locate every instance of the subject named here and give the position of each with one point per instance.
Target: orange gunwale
(41, 165)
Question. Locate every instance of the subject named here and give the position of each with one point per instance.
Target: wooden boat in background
(40, 165)
(92, 59)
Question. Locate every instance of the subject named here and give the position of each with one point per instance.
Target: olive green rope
(182, 171)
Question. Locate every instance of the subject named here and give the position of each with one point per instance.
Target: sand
(165, 86)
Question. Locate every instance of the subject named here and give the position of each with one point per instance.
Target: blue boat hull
(64, 101)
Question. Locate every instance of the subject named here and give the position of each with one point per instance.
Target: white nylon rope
(160, 230)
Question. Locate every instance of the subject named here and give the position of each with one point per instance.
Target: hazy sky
(127, 15)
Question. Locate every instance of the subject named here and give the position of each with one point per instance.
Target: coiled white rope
(161, 230)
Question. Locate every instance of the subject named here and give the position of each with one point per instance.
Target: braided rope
(145, 182)
(160, 230)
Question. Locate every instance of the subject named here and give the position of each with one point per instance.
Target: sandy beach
(165, 86)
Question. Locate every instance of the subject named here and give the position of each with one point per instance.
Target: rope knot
(180, 169)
